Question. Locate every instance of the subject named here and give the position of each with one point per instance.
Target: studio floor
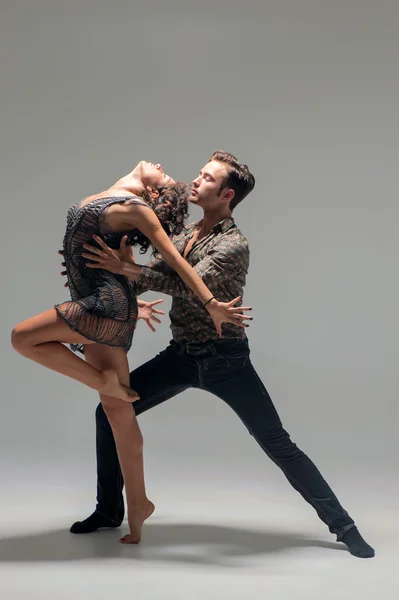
(225, 540)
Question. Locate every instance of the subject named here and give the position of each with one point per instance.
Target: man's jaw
(193, 196)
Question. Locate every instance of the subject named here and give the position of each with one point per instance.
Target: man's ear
(153, 192)
(228, 194)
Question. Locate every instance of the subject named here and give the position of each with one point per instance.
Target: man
(196, 358)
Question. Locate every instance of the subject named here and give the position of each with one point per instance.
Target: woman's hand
(63, 273)
(227, 312)
(108, 259)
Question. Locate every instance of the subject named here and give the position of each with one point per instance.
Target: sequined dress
(103, 306)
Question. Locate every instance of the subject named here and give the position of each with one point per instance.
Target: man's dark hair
(238, 178)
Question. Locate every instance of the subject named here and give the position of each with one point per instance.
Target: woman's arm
(144, 219)
(221, 312)
(148, 223)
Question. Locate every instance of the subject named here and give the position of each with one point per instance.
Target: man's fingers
(94, 258)
(155, 319)
(158, 312)
(101, 243)
(94, 265)
(94, 250)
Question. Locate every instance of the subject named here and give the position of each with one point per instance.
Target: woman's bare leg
(41, 339)
(128, 439)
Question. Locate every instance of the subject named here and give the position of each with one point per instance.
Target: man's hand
(108, 259)
(147, 312)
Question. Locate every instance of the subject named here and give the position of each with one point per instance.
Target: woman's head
(170, 205)
(152, 176)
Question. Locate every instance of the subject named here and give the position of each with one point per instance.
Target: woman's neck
(129, 184)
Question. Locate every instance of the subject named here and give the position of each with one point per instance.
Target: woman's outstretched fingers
(232, 302)
(155, 302)
(236, 309)
(239, 323)
(243, 317)
(63, 273)
(233, 308)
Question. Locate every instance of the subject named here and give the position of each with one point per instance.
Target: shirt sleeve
(228, 259)
(157, 265)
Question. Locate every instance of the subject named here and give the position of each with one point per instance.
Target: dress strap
(137, 200)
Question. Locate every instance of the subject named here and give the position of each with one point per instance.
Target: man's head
(223, 181)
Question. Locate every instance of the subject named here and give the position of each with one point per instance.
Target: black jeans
(223, 368)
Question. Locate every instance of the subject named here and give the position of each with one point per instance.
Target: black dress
(103, 306)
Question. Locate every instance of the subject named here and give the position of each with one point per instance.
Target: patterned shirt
(221, 259)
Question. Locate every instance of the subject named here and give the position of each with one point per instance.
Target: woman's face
(152, 175)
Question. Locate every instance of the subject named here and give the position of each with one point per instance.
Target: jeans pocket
(237, 362)
(234, 360)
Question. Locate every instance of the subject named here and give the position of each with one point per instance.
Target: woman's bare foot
(113, 388)
(136, 517)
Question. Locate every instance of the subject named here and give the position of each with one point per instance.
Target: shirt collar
(222, 226)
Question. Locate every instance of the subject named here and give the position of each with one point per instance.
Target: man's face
(206, 187)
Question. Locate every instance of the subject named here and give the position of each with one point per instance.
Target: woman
(100, 318)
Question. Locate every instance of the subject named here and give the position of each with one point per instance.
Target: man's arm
(224, 262)
(156, 264)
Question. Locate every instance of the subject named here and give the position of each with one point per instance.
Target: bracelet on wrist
(207, 302)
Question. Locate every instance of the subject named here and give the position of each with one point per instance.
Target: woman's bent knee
(19, 339)
(117, 411)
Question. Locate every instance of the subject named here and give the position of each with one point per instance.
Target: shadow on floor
(193, 543)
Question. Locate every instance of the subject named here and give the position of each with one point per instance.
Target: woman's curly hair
(171, 208)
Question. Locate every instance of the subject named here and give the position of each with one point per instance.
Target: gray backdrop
(305, 93)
